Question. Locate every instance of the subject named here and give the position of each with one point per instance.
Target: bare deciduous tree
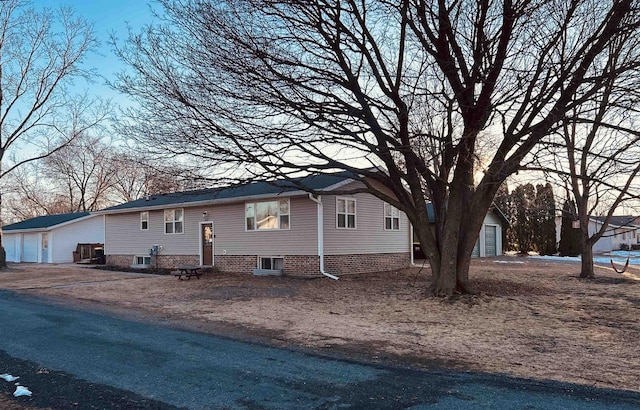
(264, 89)
(28, 194)
(599, 162)
(86, 175)
(136, 176)
(82, 172)
(40, 54)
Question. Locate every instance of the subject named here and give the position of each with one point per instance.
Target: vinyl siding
(492, 219)
(300, 239)
(124, 237)
(369, 235)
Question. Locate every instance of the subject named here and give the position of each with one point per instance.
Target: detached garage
(489, 241)
(51, 238)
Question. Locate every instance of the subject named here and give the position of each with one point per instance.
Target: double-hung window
(346, 213)
(144, 221)
(173, 220)
(267, 215)
(391, 218)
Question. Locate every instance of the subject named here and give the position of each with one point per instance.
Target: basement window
(141, 261)
(273, 263)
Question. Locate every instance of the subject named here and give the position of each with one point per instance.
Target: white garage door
(9, 243)
(30, 248)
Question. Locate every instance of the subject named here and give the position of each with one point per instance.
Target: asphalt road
(157, 365)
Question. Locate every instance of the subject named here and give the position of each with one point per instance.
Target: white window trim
(260, 258)
(384, 217)
(255, 208)
(141, 265)
(355, 214)
(141, 220)
(164, 221)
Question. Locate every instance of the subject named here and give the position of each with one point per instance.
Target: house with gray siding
(262, 225)
(623, 231)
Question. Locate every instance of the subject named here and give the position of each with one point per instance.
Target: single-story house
(51, 238)
(622, 231)
(489, 242)
(261, 225)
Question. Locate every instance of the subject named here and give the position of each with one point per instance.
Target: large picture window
(267, 215)
(346, 213)
(173, 220)
(391, 218)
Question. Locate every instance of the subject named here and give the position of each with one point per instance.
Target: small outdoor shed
(51, 238)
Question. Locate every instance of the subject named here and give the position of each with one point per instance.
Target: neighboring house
(52, 238)
(623, 230)
(261, 226)
(489, 241)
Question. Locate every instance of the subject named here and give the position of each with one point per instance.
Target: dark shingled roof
(42, 222)
(312, 182)
(431, 213)
(619, 220)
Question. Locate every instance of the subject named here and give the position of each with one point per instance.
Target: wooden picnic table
(188, 271)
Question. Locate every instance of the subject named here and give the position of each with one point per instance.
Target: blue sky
(107, 16)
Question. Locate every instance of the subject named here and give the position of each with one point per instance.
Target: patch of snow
(21, 391)
(632, 254)
(619, 257)
(8, 377)
(557, 258)
(509, 261)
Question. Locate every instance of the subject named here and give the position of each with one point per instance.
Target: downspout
(411, 244)
(320, 212)
(104, 237)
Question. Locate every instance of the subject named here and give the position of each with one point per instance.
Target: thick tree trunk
(452, 277)
(464, 218)
(443, 281)
(455, 253)
(586, 270)
(3, 258)
(462, 272)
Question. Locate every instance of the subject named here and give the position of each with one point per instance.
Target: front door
(207, 243)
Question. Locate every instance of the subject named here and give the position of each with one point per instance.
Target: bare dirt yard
(531, 317)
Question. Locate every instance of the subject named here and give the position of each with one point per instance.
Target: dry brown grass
(8, 403)
(533, 318)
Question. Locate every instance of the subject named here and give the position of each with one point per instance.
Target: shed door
(490, 240)
(30, 245)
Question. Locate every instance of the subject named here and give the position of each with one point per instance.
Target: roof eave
(48, 228)
(192, 204)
